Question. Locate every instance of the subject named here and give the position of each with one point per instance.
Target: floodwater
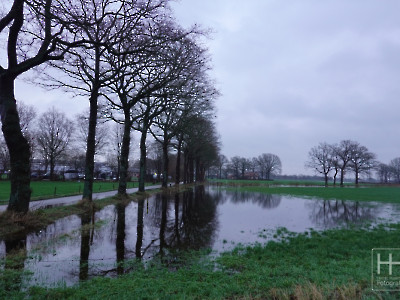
(80, 247)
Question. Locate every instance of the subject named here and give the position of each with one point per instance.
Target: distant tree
(321, 160)
(244, 165)
(395, 168)
(54, 134)
(102, 135)
(113, 155)
(343, 153)
(270, 164)
(384, 172)
(362, 161)
(4, 156)
(235, 166)
(221, 163)
(155, 156)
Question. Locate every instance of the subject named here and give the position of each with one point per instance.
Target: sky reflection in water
(207, 217)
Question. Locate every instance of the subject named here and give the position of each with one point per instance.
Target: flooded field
(102, 244)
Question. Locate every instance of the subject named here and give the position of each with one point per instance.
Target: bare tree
(384, 172)
(34, 36)
(270, 164)
(114, 148)
(102, 132)
(395, 167)
(53, 136)
(235, 166)
(321, 160)
(362, 161)
(221, 163)
(344, 155)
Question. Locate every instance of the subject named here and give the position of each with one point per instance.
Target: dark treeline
(135, 65)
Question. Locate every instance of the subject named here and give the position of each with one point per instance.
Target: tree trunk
(120, 240)
(124, 159)
(326, 179)
(18, 148)
(139, 229)
(142, 174)
(91, 138)
(178, 163)
(52, 165)
(341, 176)
(165, 162)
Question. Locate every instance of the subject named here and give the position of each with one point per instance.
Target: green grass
(268, 182)
(51, 189)
(364, 192)
(335, 264)
(371, 193)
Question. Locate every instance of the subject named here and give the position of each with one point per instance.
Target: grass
(379, 194)
(52, 189)
(335, 264)
(365, 192)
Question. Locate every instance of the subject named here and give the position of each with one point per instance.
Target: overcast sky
(295, 73)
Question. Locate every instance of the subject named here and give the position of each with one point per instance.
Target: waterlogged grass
(363, 192)
(52, 189)
(335, 264)
(367, 193)
(268, 182)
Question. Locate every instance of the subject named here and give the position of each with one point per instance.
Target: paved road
(74, 199)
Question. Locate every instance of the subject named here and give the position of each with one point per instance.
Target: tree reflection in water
(185, 221)
(261, 199)
(87, 233)
(331, 213)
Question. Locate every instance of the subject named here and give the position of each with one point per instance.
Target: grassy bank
(12, 224)
(53, 189)
(335, 264)
(366, 192)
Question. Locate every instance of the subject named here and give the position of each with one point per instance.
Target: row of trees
(133, 62)
(339, 158)
(389, 172)
(261, 167)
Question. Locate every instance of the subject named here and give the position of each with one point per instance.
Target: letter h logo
(390, 262)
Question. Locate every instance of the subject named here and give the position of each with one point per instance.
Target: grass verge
(367, 192)
(334, 264)
(11, 224)
(53, 189)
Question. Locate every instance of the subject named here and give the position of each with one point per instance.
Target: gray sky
(295, 73)
(292, 74)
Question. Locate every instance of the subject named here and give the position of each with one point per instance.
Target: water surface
(79, 247)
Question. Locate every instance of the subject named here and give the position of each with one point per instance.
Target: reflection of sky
(239, 218)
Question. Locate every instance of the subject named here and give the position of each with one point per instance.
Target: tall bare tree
(33, 36)
(270, 164)
(344, 155)
(362, 161)
(321, 160)
(53, 136)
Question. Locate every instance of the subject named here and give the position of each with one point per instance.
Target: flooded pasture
(102, 244)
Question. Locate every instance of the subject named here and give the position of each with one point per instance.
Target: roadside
(33, 205)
